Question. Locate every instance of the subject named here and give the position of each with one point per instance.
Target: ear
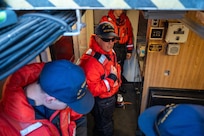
(49, 99)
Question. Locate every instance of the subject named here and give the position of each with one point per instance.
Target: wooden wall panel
(186, 69)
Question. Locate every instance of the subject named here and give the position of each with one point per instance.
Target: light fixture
(163, 14)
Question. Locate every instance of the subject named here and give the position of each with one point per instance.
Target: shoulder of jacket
(109, 18)
(101, 58)
(104, 18)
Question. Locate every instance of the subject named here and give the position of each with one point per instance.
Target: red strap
(67, 126)
(54, 115)
(64, 121)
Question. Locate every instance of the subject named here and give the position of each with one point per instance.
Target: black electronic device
(164, 96)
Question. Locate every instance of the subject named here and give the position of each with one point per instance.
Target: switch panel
(176, 33)
(155, 22)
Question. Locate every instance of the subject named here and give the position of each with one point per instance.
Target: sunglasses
(108, 39)
(163, 114)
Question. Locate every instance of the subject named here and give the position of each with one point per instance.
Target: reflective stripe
(30, 128)
(74, 132)
(89, 51)
(68, 118)
(107, 84)
(102, 59)
(113, 51)
(131, 45)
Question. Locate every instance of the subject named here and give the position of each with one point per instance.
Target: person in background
(173, 120)
(46, 99)
(103, 76)
(123, 29)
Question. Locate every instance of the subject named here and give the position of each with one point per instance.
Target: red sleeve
(130, 31)
(96, 85)
(24, 76)
(130, 45)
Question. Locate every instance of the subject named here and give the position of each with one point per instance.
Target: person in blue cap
(173, 120)
(46, 99)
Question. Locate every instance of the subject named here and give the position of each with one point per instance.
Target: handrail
(79, 26)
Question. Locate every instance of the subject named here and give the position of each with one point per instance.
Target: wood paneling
(186, 69)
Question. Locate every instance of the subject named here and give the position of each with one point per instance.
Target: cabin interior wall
(184, 70)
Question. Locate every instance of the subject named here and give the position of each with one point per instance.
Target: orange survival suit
(97, 72)
(123, 29)
(17, 116)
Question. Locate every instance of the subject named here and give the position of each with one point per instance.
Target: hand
(113, 70)
(128, 55)
(115, 83)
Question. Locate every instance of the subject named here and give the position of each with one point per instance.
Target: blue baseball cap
(176, 120)
(66, 82)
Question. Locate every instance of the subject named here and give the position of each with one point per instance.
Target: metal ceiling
(103, 4)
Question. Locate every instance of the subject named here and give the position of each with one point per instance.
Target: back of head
(174, 120)
(66, 82)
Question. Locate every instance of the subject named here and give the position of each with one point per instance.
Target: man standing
(103, 76)
(123, 29)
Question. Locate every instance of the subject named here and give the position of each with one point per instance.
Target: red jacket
(97, 74)
(123, 28)
(17, 115)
